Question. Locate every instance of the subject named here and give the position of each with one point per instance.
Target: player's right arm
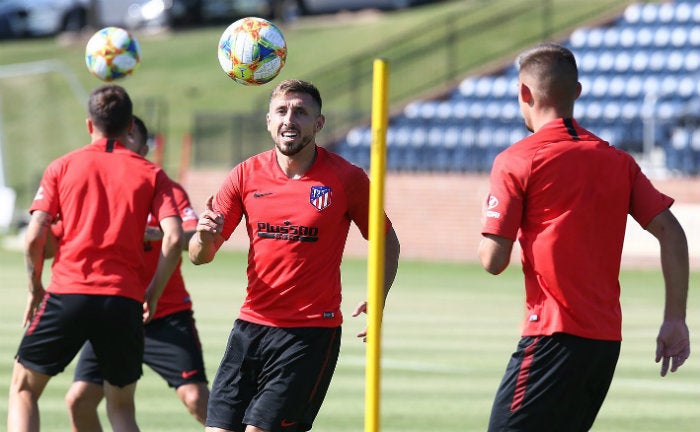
(207, 240)
(494, 253)
(35, 240)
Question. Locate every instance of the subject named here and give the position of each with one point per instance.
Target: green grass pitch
(447, 334)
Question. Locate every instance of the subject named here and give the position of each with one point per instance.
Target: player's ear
(578, 90)
(525, 93)
(267, 120)
(320, 121)
(90, 126)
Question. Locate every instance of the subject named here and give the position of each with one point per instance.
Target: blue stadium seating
(644, 66)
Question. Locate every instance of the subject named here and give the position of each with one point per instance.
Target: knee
(195, 397)
(77, 399)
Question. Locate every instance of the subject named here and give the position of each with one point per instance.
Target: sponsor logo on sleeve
(188, 214)
(39, 194)
(492, 203)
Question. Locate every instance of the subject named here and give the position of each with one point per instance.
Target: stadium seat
(594, 38)
(683, 13)
(695, 149)
(628, 37)
(622, 62)
(694, 35)
(633, 13)
(662, 37)
(483, 87)
(678, 151)
(467, 87)
(645, 37)
(691, 61)
(599, 87)
(611, 38)
(577, 39)
(666, 13)
(649, 13)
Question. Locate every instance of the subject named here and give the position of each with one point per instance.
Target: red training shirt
(569, 192)
(103, 193)
(297, 230)
(175, 297)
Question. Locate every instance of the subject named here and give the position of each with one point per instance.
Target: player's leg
(173, 350)
(82, 400)
(235, 382)
(117, 338)
(86, 393)
(51, 341)
(25, 389)
(195, 397)
(296, 368)
(121, 410)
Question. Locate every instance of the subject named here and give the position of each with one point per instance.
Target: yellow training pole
(377, 236)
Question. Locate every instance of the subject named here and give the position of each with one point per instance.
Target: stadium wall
(437, 216)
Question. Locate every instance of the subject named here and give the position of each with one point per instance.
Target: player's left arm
(392, 250)
(171, 252)
(673, 341)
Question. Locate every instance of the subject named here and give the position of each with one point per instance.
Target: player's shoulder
(257, 162)
(339, 163)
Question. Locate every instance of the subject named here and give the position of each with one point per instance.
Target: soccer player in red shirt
(171, 347)
(103, 193)
(298, 201)
(565, 194)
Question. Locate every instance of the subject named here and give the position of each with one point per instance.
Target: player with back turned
(172, 347)
(103, 193)
(566, 194)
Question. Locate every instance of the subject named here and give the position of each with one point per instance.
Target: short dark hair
(298, 86)
(140, 127)
(554, 68)
(110, 110)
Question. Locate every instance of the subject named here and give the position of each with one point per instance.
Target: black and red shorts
(273, 378)
(64, 322)
(554, 383)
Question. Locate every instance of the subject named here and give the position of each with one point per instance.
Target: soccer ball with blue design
(252, 51)
(112, 53)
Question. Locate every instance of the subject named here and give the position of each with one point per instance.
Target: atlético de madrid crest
(320, 197)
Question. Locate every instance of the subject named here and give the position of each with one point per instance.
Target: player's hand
(210, 221)
(149, 309)
(361, 308)
(34, 299)
(672, 345)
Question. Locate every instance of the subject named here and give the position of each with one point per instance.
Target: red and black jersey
(103, 193)
(297, 230)
(566, 194)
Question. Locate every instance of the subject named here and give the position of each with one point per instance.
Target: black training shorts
(273, 378)
(64, 322)
(172, 349)
(554, 383)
